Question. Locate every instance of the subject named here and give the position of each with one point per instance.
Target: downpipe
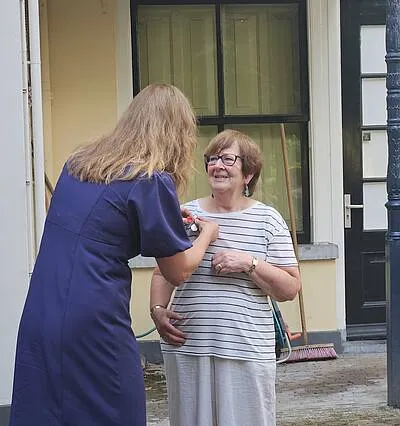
(36, 117)
(27, 139)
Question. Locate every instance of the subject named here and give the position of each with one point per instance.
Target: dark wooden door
(365, 159)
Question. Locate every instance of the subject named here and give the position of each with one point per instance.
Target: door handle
(354, 206)
(347, 210)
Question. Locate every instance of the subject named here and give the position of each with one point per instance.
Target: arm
(160, 295)
(281, 283)
(155, 217)
(160, 290)
(178, 268)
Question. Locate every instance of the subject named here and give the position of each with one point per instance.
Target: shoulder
(159, 178)
(192, 206)
(272, 216)
(159, 186)
(162, 176)
(162, 179)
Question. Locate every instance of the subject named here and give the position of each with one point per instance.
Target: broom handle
(293, 226)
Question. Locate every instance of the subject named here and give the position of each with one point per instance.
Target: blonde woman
(77, 360)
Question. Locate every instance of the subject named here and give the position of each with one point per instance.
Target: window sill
(318, 251)
(307, 252)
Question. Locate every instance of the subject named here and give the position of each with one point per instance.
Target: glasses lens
(212, 159)
(228, 159)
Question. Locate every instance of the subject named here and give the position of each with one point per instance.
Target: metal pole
(393, 204)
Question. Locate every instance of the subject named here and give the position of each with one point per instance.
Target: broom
(306, 352)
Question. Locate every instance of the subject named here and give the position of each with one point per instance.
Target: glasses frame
(220, 157)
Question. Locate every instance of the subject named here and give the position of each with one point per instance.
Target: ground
(350, 390)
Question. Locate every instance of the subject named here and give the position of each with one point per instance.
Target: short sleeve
(280, 250)
(154, 207)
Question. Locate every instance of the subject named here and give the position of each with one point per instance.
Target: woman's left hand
(228, 261)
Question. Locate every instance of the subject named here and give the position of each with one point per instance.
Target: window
(243, 66)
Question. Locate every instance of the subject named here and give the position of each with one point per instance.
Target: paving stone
(350, 390)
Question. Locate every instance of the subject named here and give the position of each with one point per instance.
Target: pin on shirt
(190, 221)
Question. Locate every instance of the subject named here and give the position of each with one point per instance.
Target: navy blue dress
(77, 361)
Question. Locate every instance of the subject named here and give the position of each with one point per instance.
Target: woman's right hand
(208, 226)
(162, 319)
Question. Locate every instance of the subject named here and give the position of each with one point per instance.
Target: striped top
(228, 316)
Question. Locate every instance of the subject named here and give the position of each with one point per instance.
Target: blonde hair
(157, 132)
(249, 150)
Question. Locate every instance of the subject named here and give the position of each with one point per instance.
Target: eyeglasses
(227, 159)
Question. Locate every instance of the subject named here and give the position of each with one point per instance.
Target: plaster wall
(79, 75)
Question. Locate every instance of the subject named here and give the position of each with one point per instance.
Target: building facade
(317, 66)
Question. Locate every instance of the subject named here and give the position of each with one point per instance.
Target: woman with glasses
(218, 338)
(77, 360)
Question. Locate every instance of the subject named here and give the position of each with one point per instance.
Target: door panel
(365, 160)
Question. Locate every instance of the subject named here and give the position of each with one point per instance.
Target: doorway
(365, 162)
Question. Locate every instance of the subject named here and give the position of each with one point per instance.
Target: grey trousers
(211, 391)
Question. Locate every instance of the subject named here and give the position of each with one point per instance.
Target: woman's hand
(187, 216)
(229, 260)
(208, 227)
(203, 225)
(162, 318)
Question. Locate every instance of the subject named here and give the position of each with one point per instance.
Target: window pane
(261, 59)
(271, 187)
(177, 45)
(198, 185)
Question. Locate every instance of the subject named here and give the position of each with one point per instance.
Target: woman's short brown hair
(249, 150)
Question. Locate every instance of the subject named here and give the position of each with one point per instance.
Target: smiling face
(223, 178)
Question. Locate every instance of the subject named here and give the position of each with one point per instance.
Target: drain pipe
(37, 118)
(28, 139)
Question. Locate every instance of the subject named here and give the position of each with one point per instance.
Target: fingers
(168, 332)
(189, 219)
(174, 315)
(218, 259)
(209, 226)
(185, 212)
(228, 261)
(173, 335)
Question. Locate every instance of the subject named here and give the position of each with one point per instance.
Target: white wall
(14, 257)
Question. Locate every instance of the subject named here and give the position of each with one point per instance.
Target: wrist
(153, 308)
(254, 263)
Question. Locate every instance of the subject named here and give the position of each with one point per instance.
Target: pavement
(350, 390)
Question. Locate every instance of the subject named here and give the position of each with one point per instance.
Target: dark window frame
(221, 119)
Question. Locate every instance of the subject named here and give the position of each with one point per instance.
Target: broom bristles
(317, 352)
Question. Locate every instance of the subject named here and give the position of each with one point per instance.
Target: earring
(246, 192)
(212, 195)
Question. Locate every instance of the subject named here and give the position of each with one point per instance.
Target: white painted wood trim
(326, 134)
(123, 56)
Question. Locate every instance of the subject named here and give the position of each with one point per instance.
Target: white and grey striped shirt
(228, 316)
